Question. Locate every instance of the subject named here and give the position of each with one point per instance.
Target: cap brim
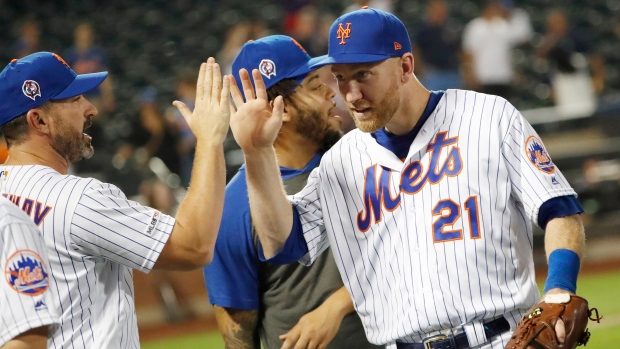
(82, 84)
(351, 58)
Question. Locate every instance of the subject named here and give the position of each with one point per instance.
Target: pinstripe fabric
(95, 237)
(21, 312)
(449, 238)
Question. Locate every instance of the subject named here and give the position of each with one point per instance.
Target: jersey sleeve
(534, 177)
(308, 205)
(107, 225)
(232, 276)
(26, 297)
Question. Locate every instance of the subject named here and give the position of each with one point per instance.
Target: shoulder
(11, 213)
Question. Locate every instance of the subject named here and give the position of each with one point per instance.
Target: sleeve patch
(26, 273)
(537, 154)
(153, 222)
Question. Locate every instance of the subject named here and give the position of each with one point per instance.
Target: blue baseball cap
(364, 36)
(277, 57)
(29, 82)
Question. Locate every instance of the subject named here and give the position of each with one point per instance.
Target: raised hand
(255, 122)
(211, 116)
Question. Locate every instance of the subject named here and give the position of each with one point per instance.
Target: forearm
(564, 245)
(199, 214)
(341, 302)
(238, 327)
(565, 233)
(271, 211)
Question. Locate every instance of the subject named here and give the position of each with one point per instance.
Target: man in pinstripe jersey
(95, 236)
(25, 293)
(427, 206)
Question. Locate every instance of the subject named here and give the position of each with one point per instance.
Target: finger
(225, 96)
(560, 331)
(261, 90)
(217, 83)
(208, 80)
(235, 93)
(200, 83)
(290, 338)
(302, 342)
(248, 90)
(278, 107)
(183, 109)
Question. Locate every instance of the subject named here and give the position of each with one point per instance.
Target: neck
(412, 105)
(294, 150)
(30, 153)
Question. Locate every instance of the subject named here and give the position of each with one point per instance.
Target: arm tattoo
(239, 328)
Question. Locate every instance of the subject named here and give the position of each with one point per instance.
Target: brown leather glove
(537, 328)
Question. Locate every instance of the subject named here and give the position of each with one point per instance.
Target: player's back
(95, 294)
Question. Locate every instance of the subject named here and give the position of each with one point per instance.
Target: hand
(254, 122)
(314, 330)
(560, 328)
(211, 116)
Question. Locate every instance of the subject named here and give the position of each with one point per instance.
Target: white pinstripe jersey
(26, 300)
(95, 237)
(444, 237)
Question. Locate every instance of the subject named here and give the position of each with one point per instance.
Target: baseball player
(94, 235)
(256, 300)
(426, 206)
(26, 298)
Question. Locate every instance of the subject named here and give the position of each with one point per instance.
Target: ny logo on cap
(31, 89)
(343, 33)
(267, 68)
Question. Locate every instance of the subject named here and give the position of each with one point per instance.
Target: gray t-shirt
(290, 291)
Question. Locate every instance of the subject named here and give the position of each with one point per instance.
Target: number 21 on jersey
(448, 212)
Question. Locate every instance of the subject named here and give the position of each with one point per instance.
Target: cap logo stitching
(397, 46)
(61, 60)
(298, 45)
(267, 68)
(343, 33)
(31, 89)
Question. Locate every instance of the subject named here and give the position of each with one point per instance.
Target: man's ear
(407, 66)
(39, 120)
(286, 116)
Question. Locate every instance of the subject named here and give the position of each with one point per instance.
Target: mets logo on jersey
(31, 89)
(267, 68)
(26, 273)
(537, 154)
(343, 33)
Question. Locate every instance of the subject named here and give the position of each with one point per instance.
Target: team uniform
(94, 237)
(236, 278)
(25, 295)
(431, 231)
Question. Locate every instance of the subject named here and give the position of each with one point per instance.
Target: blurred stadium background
(150, 48)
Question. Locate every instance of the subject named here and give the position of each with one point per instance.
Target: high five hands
(255, 121)
(211, 116)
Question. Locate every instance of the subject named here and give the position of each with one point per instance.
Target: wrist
(564, 266)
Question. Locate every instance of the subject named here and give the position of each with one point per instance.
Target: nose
(91, 110)
(351, 91)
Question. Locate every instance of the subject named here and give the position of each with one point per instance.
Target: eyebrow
(316, 76)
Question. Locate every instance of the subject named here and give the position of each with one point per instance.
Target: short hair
(15, 130)
(284, 88)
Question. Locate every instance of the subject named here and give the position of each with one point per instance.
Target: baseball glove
(537, 329)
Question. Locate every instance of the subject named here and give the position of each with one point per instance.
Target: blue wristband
(563, 269)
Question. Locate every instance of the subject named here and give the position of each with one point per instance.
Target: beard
(71, 143)
(379, 114)
(313, 126)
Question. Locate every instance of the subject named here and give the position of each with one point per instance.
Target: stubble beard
(381, 113)
(71, 144)
(314, 127)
